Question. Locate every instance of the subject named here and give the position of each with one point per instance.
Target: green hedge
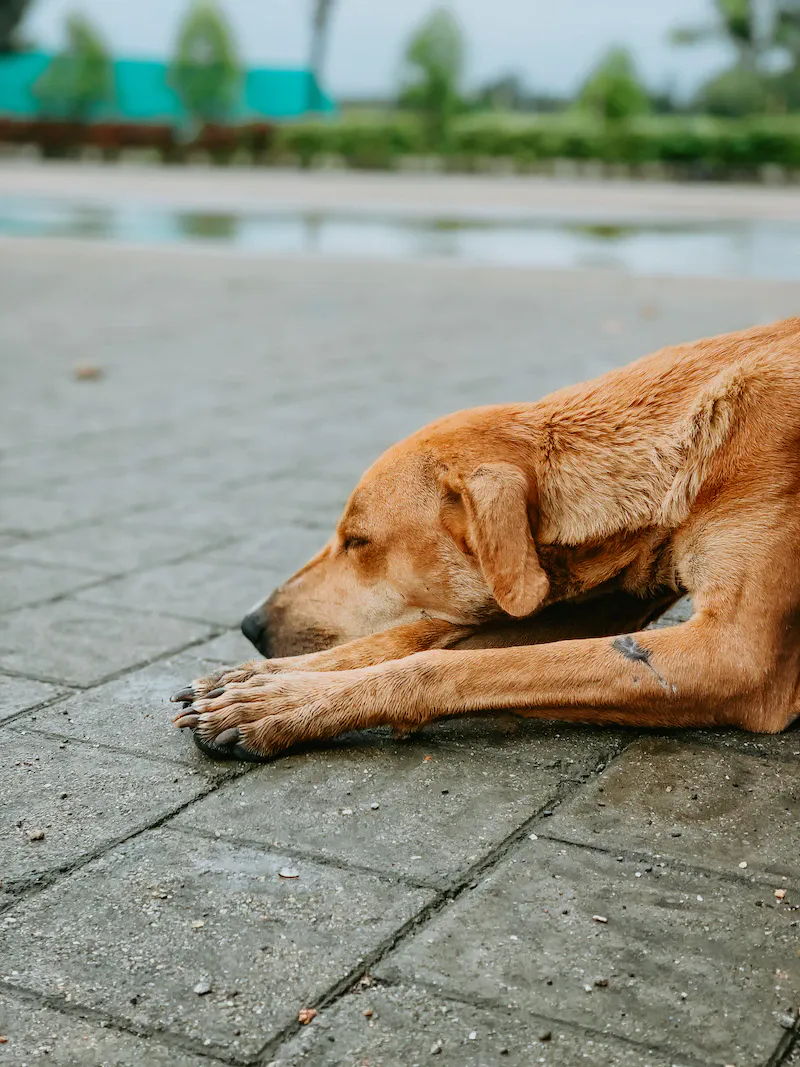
(715, 146)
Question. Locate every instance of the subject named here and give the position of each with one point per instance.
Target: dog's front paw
(216, 682)
(260, 716)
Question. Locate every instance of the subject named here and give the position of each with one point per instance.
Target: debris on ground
(88, 372)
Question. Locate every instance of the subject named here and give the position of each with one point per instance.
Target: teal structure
(142, 92)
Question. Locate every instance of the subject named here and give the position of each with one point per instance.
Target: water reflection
(740, 249)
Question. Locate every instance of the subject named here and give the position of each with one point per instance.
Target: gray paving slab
(116, 546)
(717, 809)
(276, 552)
(425, 810)
(134, 713)
(38, 510)
(81, 798)
(774, 746)
(122, 936)
(794, 1056)
(214, 592)
(406, 1026)
(229, 647)
(668, 933)
(17, 694)
(239, 402)
(39, 1035)
(82, 643)
(27, 583)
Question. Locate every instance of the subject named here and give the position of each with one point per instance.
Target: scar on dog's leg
(630, 648)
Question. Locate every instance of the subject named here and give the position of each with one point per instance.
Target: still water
(746, 249)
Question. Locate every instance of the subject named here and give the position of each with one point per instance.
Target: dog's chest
(637, 562)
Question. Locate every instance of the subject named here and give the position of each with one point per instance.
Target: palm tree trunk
(11, 13)
(320, 28)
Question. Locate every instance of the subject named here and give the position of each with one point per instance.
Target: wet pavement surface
(523, 893)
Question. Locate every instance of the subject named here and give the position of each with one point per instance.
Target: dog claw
(228, 737)
(215, 751)
(182, 721)
(183, 695)
(215, 693)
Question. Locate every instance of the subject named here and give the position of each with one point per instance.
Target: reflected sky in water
(746, 249)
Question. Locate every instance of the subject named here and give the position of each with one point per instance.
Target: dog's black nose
(253, 628)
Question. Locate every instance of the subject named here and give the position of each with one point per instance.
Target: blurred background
(685, 90)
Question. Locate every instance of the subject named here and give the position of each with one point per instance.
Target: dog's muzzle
(255, 631)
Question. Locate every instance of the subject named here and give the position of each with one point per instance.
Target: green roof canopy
(142, 93)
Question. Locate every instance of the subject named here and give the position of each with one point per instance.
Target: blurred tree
(737, 22)
(11, 15)
(766, 74)
(434, 61)
(614, 90)
(739, 91)
(205, 72)
(502, 94)
(320, 32)
(79, 79)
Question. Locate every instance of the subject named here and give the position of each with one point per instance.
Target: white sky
(552, 44)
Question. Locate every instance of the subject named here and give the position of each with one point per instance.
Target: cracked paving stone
(17, 694)
(108, 795)
(442, 807)
(85, 643)
(407, 1023)
(134, 713)
(529, 924)
(118, 936)
(726, 807)
(38, 1035)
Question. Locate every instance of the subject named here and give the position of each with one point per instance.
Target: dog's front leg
(400, 641)
(690, 675)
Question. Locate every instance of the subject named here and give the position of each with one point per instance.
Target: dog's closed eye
(354, 542)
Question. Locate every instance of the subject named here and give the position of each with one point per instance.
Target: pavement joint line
(496, 1004)
(464, 882)
(20, 891)
(43, 705)
(53, 735)
(308, 855)
(213, 546)
(79, 524)
(214, 632)
(280, 396)
(25, 888)
(787, 1044)
(12, 672)
(45, 601)
(93, 1015)
(635, 856)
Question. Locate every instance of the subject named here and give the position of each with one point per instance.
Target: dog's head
(439, 526)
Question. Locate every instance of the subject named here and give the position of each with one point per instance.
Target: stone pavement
(143, 916)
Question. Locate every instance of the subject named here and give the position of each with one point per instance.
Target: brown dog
(552, 526)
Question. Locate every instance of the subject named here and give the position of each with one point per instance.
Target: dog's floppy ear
(496, 497)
